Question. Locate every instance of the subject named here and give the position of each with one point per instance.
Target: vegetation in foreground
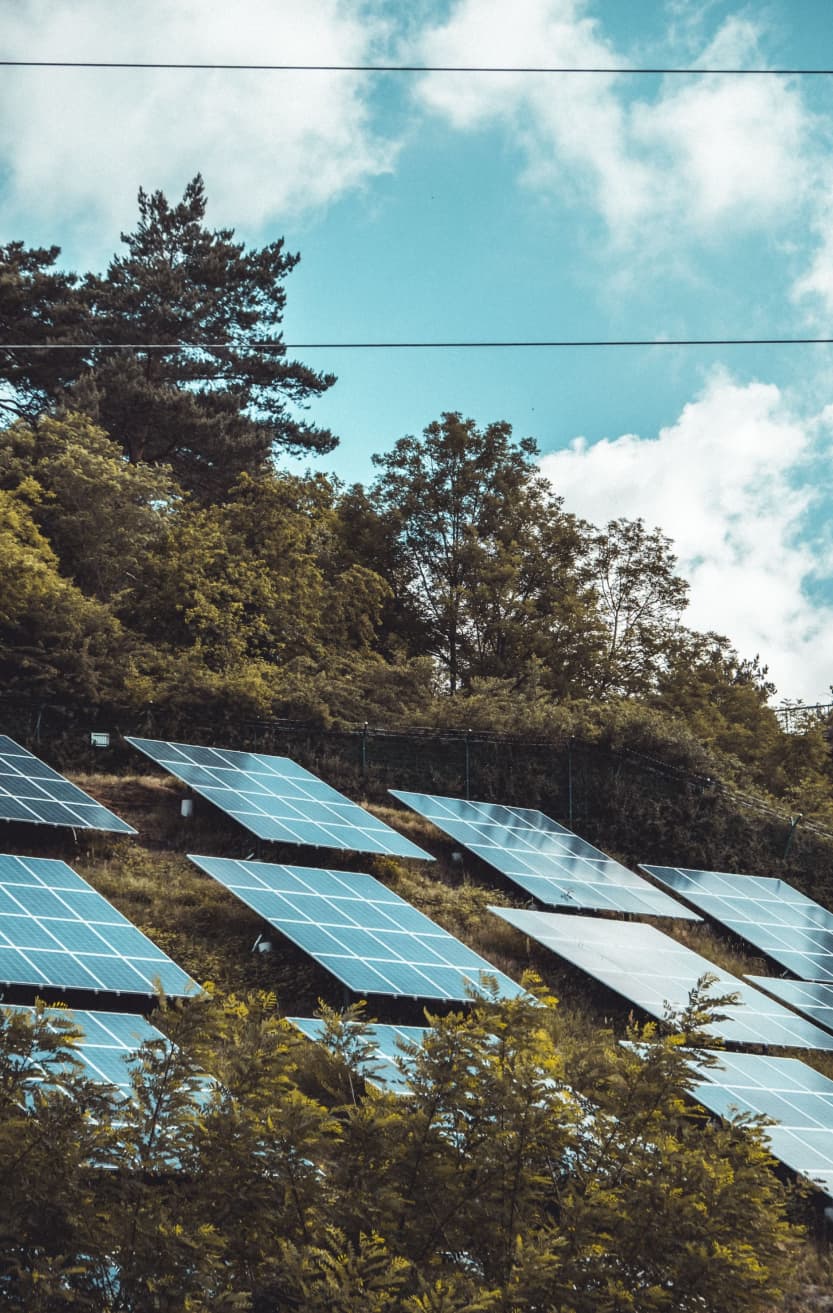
(522, 1170)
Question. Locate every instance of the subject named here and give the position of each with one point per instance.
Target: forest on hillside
(154, 550)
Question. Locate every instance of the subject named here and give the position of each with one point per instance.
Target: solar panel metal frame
(364, 934)
(542, 857)
(276, 799)
(799, 1098)
(382, 1069)
(776, 919)
(651, 970)
(57, 932)
(32, 792)
(108, 1046)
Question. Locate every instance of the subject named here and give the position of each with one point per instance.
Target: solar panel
(811, 998)
(362, 932)
(277, 799)
(34, 792)
(544, 858)
(653, 970)
(799, 1099)
(56, 930)
(382, 1068)
(786, 925)
(107, 1048)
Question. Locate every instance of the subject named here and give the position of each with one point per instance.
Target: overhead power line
(418, 346)
(414, 68)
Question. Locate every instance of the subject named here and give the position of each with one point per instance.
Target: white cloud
(707, 155)
(815, 288)
(728, 482)
(76, 145)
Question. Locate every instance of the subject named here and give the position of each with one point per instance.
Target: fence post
(794, 822)
(364, 749)
(468, 765)
(570, 780)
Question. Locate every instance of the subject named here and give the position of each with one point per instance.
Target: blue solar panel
(57, 931)
(367, 936)
(107, 1048)
(654, 971)
(811, 998)
(388, 1064)
(798, 1099)
(277, 799)
(543, 858)
(32, 791)
(770, 914)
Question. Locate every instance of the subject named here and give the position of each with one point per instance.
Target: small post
(468, 765)
(794, 822)
(570, 780)
(364, 749)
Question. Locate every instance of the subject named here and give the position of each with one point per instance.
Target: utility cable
(619, 71)
(563, 343)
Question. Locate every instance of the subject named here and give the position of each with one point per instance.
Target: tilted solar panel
(366, 935)
(277, 799)
(812, 998)
(383, 1067)
(798, 1098)
(544, 858)
(781, 922)
(56, 930)
(108, 1046)
(654, 971)
(33, 792)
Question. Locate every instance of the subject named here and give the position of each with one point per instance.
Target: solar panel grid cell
(654, 972)
(356, 927)
(33, 792)
(547, 860)
(56, 930)
(769, 914)
(277, 799)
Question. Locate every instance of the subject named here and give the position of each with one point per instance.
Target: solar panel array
(811, 998)
(57, 931)
(366, 935)
(33, 792)
(107, 1048)
(277, 799)
(544, 858)
(653, 971)
(799, 1099)
(786, 925)
(382, 1068)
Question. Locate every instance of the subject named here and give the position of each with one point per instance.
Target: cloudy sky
(505, 206)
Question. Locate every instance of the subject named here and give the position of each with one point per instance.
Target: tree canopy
(524, 1168)
(198, 376)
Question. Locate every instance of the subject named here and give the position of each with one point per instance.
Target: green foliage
(54, 641)
(102, 517)
(524, 1170)
(488, 570)
(38, 304)
(640, 600)
(218, 407)
(211, 408)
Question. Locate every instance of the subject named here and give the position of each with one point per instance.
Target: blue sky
(506, 206)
